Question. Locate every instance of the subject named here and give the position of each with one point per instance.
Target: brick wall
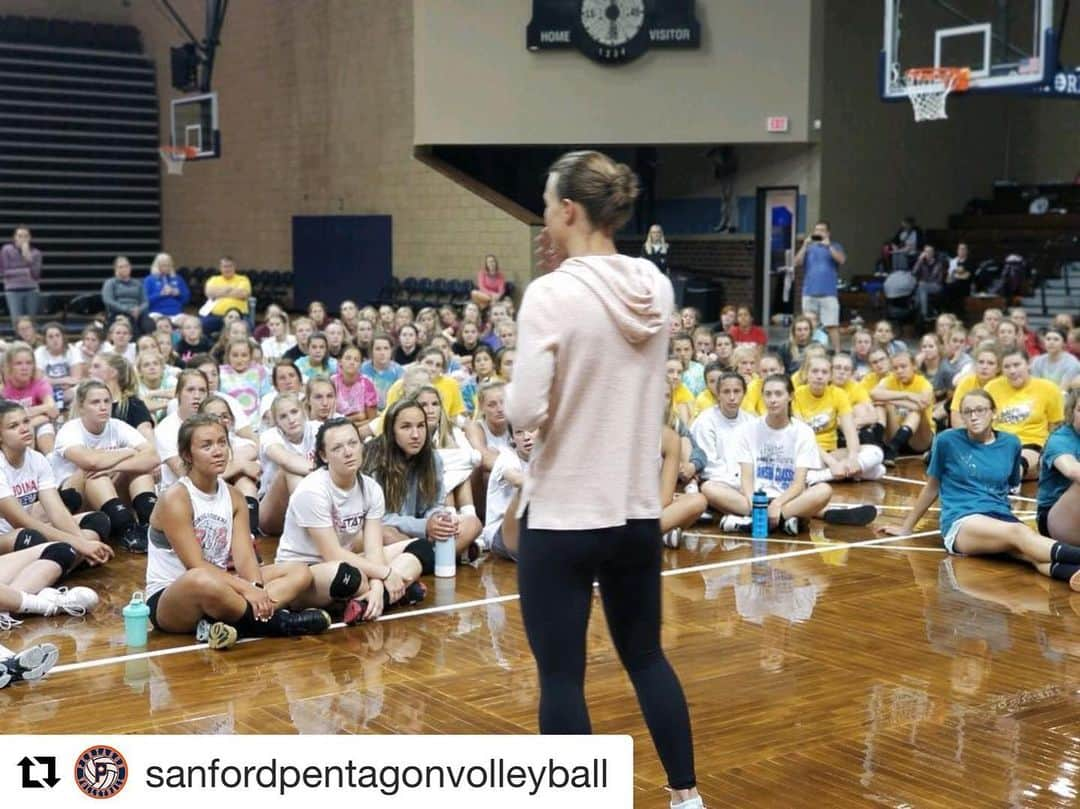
(728, 260)
(316, 111)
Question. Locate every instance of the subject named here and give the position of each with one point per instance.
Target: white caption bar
(215, 771)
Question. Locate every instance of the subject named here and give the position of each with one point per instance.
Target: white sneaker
(7, 622)
(691, 487)
(32, 663)
(689, 803)
(673, 537)
(732, 524)
(74, 601)
(791, 526)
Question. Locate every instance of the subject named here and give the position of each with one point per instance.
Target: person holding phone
(822, 257)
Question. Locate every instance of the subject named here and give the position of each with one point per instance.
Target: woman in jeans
(20, 265)
(578, 526)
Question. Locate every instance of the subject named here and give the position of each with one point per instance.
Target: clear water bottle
(759, 515)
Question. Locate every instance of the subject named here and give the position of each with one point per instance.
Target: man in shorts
(821, 257)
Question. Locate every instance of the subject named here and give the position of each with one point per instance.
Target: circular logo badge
(101, 772)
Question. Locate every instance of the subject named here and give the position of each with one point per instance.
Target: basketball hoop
(928, 87)
(174, 157)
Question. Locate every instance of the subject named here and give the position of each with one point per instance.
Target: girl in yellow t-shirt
(908, 399)
(768, 365)
(828, 412)
(986, 367)
(1027, 407)
(681, 398)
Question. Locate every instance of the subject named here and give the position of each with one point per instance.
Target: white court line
(896, 479)
(107, 661)
(823, 545)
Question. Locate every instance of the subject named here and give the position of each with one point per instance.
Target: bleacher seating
(78, 149)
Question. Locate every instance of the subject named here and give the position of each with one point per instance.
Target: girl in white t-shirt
(192, 532)
(501, 526)
(285, 378)
(56, 361)
(31, 509)
(458, 461)
(714, 432)
(40, 542)
(120, 342)
(243, 470)
(334, 526)
(101, 458)
(286, 454)
(489, 434)
(775, 453)
(191, 389)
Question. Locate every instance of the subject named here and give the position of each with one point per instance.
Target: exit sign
(777, 123)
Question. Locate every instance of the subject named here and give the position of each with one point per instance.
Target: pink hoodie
(589, 374)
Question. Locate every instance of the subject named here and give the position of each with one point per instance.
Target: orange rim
(960, 76)
(180, 152)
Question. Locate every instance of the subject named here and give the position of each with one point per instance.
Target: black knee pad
(120, 517)
(72, 500)
(28, 538)
(870, 435)
(98, 522)
(253, 514)
(144, 506)
(1024, 467)
(346, 581)
(61, 553)
(425, 552)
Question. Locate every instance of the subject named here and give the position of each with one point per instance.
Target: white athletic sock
(689, 803)
(819, 475)
(35, 604)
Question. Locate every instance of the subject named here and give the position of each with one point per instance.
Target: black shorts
(152, 604)
(1042, 520)
(1033, 447)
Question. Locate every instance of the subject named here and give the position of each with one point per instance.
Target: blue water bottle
(759, 515)
(136, 616)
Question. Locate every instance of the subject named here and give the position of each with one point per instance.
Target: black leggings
(555, 576)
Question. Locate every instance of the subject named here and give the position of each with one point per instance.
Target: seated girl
(356, 396)
(99, 459)
(192, 340)
(243, 470)
(714, 431)
(284, 378)
(680, 511)
(769, 364)
(57, 362)
(118, 375)
(775, 453)
(192, 530)
(459, 460)
(244, 380)
(320, 399)
(286, 455)
(828, 412)
(210, 369)
(318, 361)
(120, 340)
(279, 340)
(192, 389)
(403, 461)
(501, 527)
(1027, 407)
(25, 384)
(986, 367)
(382, 370)
(972, 469)
(157, 387)
(32, 512)
(1059, 478)
(908, 401)
(333, 527)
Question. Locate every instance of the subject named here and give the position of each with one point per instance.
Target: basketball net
(175, 157)
(929, 87)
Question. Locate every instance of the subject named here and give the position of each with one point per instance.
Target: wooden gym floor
(820, 672)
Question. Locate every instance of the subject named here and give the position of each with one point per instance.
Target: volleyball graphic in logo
(101, 771)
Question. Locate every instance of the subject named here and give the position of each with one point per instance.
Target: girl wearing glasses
(972, 469)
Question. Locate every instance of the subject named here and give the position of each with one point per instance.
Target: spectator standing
(20, 265)
(957, 281)
(655, 248)
(930, 273)
(166, 292)
(822, 257)
(225, 292)
(123, 295)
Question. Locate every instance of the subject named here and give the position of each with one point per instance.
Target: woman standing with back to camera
(578, 527)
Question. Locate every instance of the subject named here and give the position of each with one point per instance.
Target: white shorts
(950, 538)
(826, 307)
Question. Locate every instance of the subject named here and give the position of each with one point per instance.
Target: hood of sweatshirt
(635, 294)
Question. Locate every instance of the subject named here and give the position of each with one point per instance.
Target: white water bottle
(445, 553)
